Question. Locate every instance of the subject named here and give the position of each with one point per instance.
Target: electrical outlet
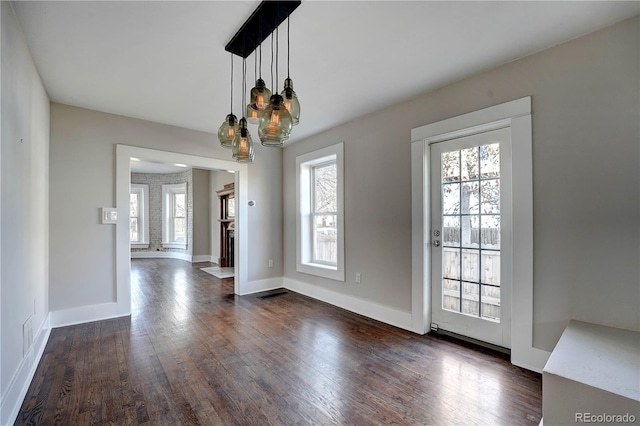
(27, 336)
(270, 263)
(358, 277)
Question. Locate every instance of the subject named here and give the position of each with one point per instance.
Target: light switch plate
(109, 215)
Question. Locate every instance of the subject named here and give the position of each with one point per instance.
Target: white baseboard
(261, 285)
(386, 314)
(160, 254)
(201, 258)
(84, 314)
(17, 390)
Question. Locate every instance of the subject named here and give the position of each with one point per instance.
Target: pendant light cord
(272, 60)
(275, 88)
(231, 83)
(288, 45)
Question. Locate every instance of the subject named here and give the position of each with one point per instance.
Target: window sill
(182, 246)
(139, 245)
(320, 270)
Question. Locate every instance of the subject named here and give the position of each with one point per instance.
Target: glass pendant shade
(243, 144)
(291, 102)
(275, 123)
(228, 130)
(260, 96)
(253, 115)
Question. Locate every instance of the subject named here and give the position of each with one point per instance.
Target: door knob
(436, 243)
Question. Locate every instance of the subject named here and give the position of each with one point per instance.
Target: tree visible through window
(325, 213)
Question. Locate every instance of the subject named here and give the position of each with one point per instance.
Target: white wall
(24, 260)
(586, 107)
(83, 162)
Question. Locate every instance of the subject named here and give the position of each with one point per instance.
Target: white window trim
(304, 165)
(143, 220)
(167, 192)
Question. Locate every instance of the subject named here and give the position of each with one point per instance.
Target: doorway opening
(124, 154)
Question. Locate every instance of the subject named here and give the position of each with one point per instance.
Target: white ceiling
(165, 61)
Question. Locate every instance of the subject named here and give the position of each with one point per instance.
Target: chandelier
(275, 114)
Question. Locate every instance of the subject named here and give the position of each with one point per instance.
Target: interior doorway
(124, 154)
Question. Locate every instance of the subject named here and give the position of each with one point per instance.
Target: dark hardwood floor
(193, 353)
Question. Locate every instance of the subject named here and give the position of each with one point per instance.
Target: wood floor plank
(193, 353)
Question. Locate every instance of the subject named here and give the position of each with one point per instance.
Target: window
(138, 216)
(174, 225)
(320, 223)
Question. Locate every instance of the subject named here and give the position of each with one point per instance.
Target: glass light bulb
(259, 95)
(291, 101)
(243, 144)
(275, 123)
(228, 130)
(253, 115)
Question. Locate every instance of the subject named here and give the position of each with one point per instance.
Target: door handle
(436, 243)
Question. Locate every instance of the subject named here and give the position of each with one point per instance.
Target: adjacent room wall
(586, 103)
(24, 253)
(201, 214)
(83, 162)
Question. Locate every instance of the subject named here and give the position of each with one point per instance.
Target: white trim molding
(386, 314)
(84, 314)
(21, 380)
(201, 258)
(515, 115)
(161, 255)
(266, 284)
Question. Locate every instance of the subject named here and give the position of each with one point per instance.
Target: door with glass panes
(471, 236)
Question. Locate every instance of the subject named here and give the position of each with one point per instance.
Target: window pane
(451, 231)
(133, 205)
(490, 195)
(470, 265)
(179, 229)
(470, 163)
(469, 197)
(451, 198)
(490, 267)
(179, 206)
(491, 302)
(490, 161)
(451, 263)
(491, 232)
(325, 188)
(133, 229)
(451, 295)
(326, 239)
(451, 166)
(470, 229)
(470, 299)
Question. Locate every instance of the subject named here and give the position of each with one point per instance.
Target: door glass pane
(490, 196)
(490, 238)
(451, 263)
(470, 265)
(469, 198)
(490, 161)
(470, 227)
(451, 231)
(451, 198)
(451, 295)
(470, 164)
(470, 299)
(490, 302)
(451, 166)
(490, 267)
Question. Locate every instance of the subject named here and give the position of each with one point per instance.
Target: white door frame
(515, 115)
(124, 153)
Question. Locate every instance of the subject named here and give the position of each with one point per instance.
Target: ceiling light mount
(262, 22)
